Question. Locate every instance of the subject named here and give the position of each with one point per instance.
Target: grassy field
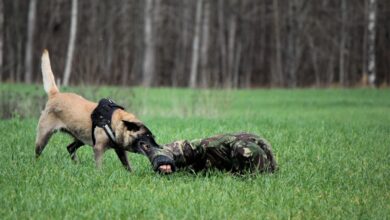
(333, 148)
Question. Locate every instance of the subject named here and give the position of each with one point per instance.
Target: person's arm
(183, 153)
(195, 154)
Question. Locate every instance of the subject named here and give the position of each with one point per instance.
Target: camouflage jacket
(232, 152)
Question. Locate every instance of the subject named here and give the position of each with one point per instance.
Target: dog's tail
(47, 74)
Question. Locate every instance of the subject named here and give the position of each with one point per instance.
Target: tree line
(198, 43)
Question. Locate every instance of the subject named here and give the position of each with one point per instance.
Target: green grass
(333, 148)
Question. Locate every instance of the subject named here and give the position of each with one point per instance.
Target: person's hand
(163, 164)
(166, 169)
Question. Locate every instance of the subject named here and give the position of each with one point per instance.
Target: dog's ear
(132, 126)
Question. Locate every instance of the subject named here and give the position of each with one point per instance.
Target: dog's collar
(101, 117)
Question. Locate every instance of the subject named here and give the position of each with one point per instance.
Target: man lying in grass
(237, 153)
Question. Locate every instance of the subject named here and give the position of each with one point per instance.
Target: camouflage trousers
(239, 152)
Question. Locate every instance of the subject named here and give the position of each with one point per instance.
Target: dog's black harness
(101, 117)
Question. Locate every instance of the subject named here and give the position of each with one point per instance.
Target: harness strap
(101, 117)
(109, 132)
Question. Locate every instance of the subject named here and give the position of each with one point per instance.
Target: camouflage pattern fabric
(240, 152)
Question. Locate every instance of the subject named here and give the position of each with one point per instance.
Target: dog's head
(134, 136)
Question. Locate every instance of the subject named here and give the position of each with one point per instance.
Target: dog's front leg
(122, 155)
(98, 150)
(100, 146)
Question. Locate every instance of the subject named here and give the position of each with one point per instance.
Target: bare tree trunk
(372, 7)
(222, 40)
(195, 45)
(149, 58)
(30, 41)
(71, 44)
(277, 76)
(297, 10)
(364, 77)
(205, 45)
(342, 42)
(181, 56)
(262, 54)
(330, 70)
(2, 29)
(19, 66)
(236, 65)
(108, 71)
(19, 36)
(126, 41)
(314, 60)
(291, 44)
(231, 50)
(249, 63)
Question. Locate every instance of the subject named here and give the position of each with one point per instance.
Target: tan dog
(71, 113)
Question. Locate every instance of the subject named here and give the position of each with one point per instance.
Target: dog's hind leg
(72, 148)
(46, 127)
(122, 155)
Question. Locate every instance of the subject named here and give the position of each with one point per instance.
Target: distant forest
(198, 43)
